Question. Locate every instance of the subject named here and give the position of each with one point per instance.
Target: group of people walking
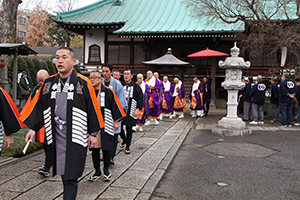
(282, 98)
(70, 113)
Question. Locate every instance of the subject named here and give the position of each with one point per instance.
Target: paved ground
(134, 176)
(264, 165)
(269, 155)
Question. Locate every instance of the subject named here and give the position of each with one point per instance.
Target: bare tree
(65, 5)
(269, 24)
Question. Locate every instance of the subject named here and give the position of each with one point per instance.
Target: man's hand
(292, 96)
(116, 125)
(30, 135)
(92, 141)
(136, 113)
(9, 141)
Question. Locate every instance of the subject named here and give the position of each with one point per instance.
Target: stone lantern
(232, 125)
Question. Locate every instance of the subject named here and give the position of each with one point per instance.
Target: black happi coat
(9, 116)
(136, 100)
(83, 118)
(112, 110)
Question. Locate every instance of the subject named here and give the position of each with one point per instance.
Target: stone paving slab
(119, 193)
(22, 183)
(42, 191)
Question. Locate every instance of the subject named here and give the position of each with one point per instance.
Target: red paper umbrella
(207, 53)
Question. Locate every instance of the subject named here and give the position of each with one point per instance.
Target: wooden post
(213, 77)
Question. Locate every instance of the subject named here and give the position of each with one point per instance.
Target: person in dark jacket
(135, 101)
(206, 94)
(24, 89)
(298, 98)
(247, 99)
(286, 98)
(275, 99)
(257, 95)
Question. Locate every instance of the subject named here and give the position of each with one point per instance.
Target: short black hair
(250, 79)
(297, 79)
(108, 65)
(71, 51)
(274, 79)
(128, 68)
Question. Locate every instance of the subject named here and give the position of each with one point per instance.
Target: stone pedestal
(232, 125)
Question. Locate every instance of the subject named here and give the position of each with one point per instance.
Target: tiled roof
(146, 17)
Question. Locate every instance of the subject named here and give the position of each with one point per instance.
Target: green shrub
(19, 144)
(44, 65)
(51, 67)
(32, 69)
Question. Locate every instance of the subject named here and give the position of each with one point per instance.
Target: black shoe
(111, 162)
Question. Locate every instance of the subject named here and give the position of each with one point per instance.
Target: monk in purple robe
(146, 93)
(196, 97)
(167, 96)
(154, 102)
(161, 91)
(179, 99)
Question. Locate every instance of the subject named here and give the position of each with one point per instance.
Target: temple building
(126, 33)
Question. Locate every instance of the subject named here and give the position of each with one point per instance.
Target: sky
(48, 4)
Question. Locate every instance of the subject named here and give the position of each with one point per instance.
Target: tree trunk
(10, 8)
(8, 33)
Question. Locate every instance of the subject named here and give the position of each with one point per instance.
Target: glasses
(92, 78)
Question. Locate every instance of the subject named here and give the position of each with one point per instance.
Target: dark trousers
(48, 162)
(70, 189)
(128, 137)
(113, 151)
(206, 102)
(96, 160)
(286, 113)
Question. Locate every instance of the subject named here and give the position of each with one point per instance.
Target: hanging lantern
(2, 65)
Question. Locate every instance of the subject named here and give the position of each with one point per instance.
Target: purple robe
(181, 94)
(197, 96)
(161, 91)
(155, 111)
(146, 103)
(169, 100)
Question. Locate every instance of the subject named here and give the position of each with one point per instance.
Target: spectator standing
(24, 89)
(298, 98)
(206, 94)
(275, 100)
(286, 98)
(258, 100)
(247, 100)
